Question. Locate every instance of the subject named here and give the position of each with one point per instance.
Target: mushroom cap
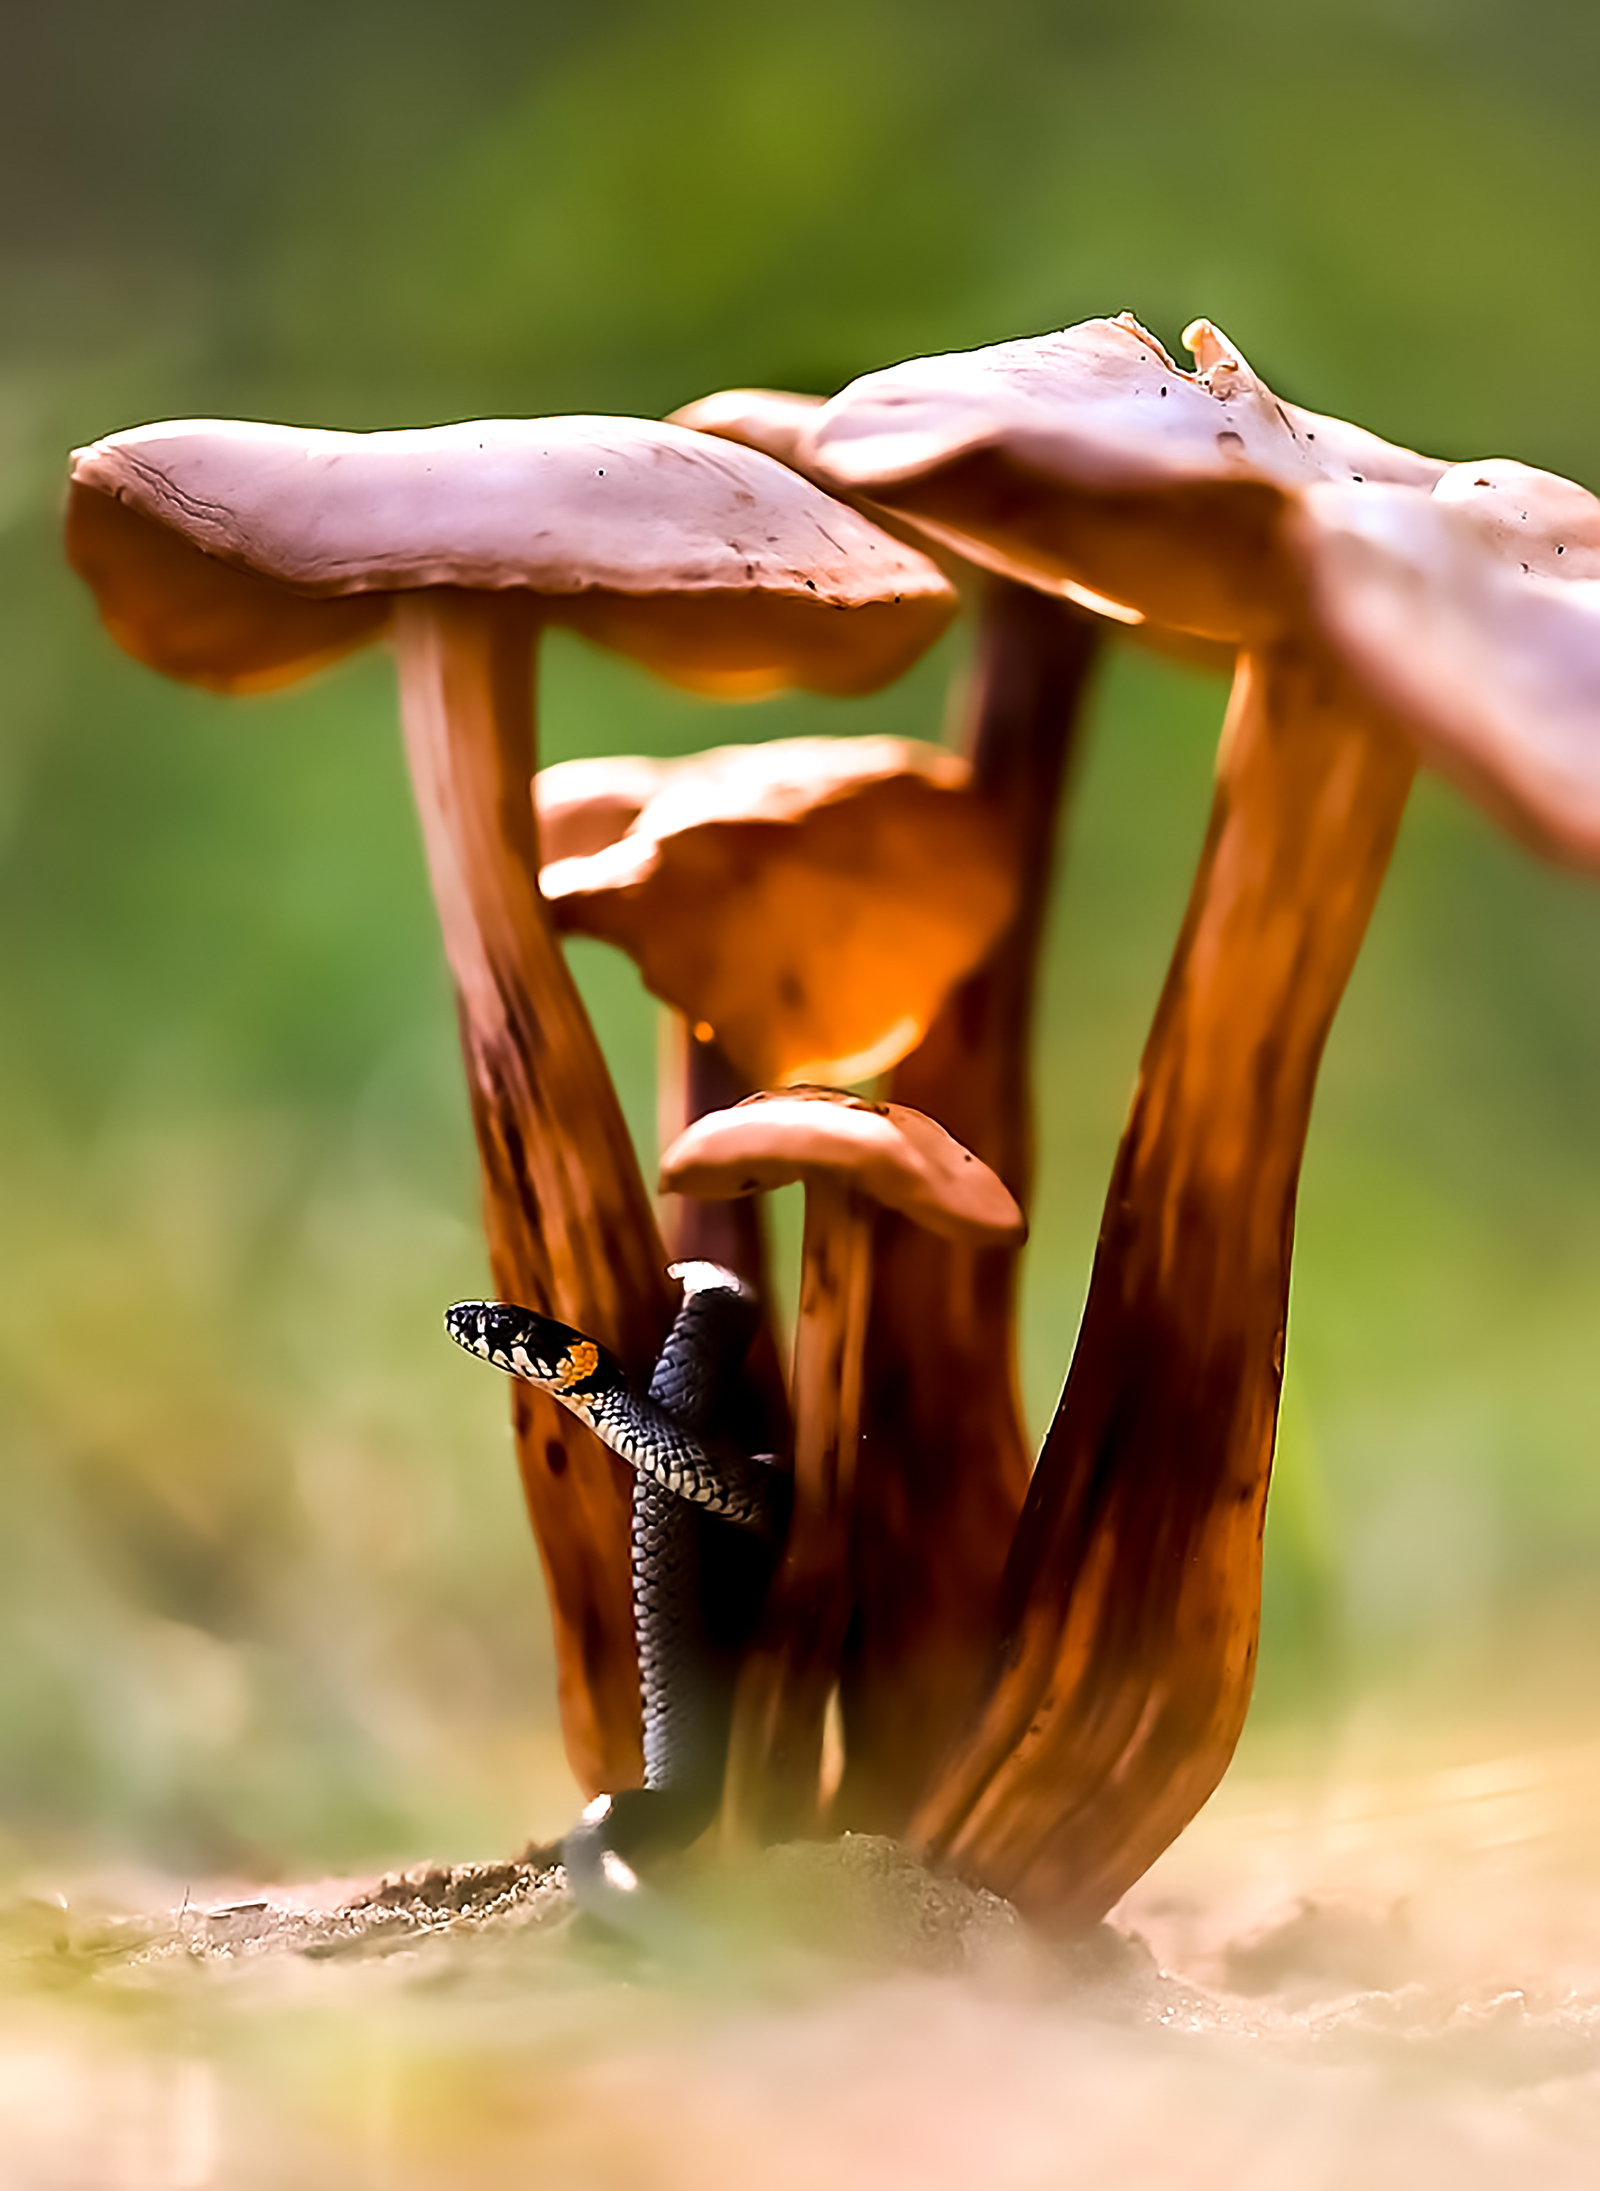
(779, 422)
(1445, 609)
(1090, 463)
(1537, 522)
(895, 1155)
(585, 804)
(771, 419)
(811, 901)
(241, 555)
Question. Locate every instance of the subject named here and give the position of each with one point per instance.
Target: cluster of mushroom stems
(1040, 1670)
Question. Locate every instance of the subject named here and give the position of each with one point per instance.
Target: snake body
(580, 1373)
(706, 1518)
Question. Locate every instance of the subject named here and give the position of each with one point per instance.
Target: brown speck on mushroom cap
(898, 1157)
(1549, 524)
(812, 900)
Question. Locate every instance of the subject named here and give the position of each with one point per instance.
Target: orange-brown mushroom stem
(780, 1707)
(1132, 1599)
(569, 1222)
(945, 1453)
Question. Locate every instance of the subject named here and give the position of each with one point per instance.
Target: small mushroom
(241, 556)
(851, 1156)
(807, 902)
(1127, 1636)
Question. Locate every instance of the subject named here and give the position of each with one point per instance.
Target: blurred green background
(266, 1597)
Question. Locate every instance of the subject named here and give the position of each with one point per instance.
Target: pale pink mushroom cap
(1473, 617)
(892, 1155)
(240, 555)
(772, 419)
(1090, 463)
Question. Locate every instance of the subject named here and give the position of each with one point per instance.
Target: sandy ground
(1381, 1971)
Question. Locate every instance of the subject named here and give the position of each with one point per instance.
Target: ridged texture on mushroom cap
(1450, 611)
(898, 1157)
(812, 900)
(710, 561)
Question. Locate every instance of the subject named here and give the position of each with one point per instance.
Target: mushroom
(1127, 1638)
(806, 903)
(945, 1454)
(241, 556)
(850, 1155)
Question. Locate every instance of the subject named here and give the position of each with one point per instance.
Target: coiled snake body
(707, 1523)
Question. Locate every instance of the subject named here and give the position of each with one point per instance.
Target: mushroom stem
(945, 1456)
(775, 1754)
(693, 1077)
(1132, 1598)
(569, 1222)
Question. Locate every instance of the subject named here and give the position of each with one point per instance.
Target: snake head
(528, 1345)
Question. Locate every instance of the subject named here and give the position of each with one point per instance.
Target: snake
(707, 1523)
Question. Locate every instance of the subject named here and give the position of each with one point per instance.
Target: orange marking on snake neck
(579, 1361)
